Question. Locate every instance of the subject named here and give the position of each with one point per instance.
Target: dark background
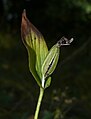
(69, 96)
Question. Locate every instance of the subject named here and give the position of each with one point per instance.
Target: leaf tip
(24, 25)
(24, 12)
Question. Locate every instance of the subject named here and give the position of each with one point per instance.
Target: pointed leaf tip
(25, 29)
(24, 12)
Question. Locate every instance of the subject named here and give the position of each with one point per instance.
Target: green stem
(39, 103)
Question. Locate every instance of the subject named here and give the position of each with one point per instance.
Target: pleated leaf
(36, 47)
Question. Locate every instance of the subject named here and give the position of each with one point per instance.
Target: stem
(39, 103)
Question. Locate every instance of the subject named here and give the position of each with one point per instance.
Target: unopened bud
(51, 59)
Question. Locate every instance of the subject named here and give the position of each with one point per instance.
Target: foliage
(53, 18)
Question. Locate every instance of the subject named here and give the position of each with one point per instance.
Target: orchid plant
(42, 62)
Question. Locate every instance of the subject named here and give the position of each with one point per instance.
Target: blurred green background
(69, 96)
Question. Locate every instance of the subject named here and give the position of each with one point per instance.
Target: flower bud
(51, 59)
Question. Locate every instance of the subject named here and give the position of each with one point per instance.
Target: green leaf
(36, 47)
(48, 82)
